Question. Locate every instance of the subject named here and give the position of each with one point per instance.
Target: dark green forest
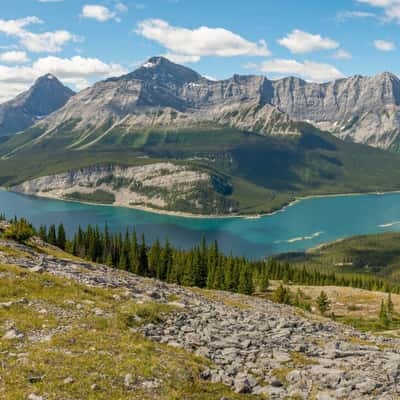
(203, 266)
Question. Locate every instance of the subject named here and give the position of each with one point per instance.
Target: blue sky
(84, 41)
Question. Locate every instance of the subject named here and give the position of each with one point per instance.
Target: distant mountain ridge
(164, 95)
(45, 96)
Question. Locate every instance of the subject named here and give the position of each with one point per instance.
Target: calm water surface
(305, 224)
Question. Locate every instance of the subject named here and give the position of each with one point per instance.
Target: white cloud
(202, 41)
(182, 59)
(50, 42)
(15, 27)
(77, 67)
(14, 57)
(102, 13)
(345, 15)
(384, 45)
(391, 8)
(121, 7)
(77, 71)
(309, 70)
(303, 42)
(342, 55)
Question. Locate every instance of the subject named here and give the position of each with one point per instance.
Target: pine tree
(245, 281)
(154, 259)
(166, 262)
(263, 281)
(383, 316)
(43, 233)
(143, 260)
(134, 254)
(390, 305)
(323, 302)
(282, 295)
(61, 237)
(52, 237)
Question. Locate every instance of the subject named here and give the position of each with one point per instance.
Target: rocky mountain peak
(45, 96)
(163, 70)
(46, 78)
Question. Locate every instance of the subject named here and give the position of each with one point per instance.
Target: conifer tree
(383, 316)
(43, 233)
(134, 254)
(390, 305)
(143, 261)
(61, 237)
(154, 258)
(323, 303)
(52, 237)
(245, 285)
(166, 262)
(282, 295)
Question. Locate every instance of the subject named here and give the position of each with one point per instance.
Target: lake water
(305, 224)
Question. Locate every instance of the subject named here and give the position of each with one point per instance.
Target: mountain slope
(361, 109)
(230, 130)
(84, 330)
(161, 94)
(45, 96)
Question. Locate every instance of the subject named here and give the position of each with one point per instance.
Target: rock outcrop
(156, 185)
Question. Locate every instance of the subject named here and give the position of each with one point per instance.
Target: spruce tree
(323, 302)
(52, 237)
(43, 233)
(134, 254)
(154, 258)
(61, 237)
(143, 260)
(245, 281)
(383, 316)
(282, 295)
(390, 305)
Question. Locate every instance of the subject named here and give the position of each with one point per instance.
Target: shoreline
(182, 214)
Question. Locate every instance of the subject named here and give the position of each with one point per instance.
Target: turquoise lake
(305, 224)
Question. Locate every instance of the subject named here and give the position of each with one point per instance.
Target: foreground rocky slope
(254, 346)
(45, 96)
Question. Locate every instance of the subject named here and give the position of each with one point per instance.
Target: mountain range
(260, 143)
(161, 94)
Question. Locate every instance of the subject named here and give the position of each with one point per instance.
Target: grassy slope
(368, 254)
(266, 172)
(356, 307)
(88, 348)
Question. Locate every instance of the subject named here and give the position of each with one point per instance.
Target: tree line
(203, 266)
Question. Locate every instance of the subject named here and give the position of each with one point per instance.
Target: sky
(82, 41)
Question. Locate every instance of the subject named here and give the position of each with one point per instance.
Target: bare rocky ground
(255, 346)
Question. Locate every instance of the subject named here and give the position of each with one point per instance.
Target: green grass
(89, 349)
